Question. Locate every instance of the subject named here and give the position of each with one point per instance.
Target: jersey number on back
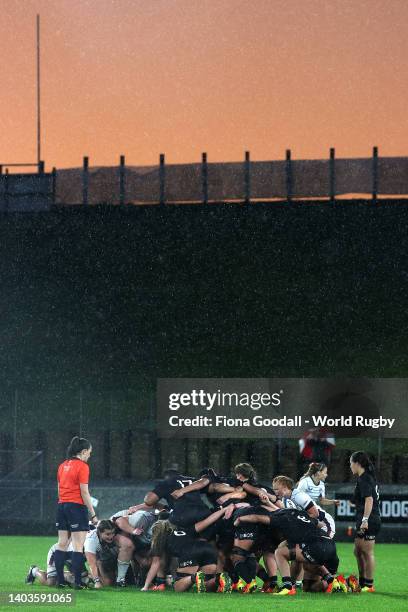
(184, 483)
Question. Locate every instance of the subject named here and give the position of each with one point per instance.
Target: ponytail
(76, 446)
(313, 469)
(160, 532)
(364, 460)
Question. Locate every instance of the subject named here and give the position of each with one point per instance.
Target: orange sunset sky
(141, 77)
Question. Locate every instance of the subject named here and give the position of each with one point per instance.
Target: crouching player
(101, 554)
(133, 538)
(197, 558)
(305, 543)
(48, 577)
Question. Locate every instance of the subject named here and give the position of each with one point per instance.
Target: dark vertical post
(247, 177)
(204, 177)
(41, 167)
(6, 190)
(54, 185)
(122, 180)
(288, 175)
(162, 178)
(38, 93)
(85, 181)
(375, 174)
(332, 170)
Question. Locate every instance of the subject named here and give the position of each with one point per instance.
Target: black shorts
(200, 553)
(374, 526)
(321, 551)
(188, 514)
(72, 517)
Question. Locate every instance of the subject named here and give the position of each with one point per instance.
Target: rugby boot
(353, 585)
(368, 589)
(343, 587)
(224, 583)
(285, 591)
(250, 587)
(30, 576)
(200, 582)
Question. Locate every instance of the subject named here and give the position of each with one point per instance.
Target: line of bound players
(211, 533)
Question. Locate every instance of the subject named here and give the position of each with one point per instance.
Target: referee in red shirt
(74, 503)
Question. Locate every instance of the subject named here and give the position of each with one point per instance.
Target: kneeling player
(101, 553)
(134, 536)
(48, 577)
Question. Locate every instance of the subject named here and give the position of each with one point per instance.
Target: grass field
(17, 553)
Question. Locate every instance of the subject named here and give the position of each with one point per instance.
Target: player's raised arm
(210, 520)
(252, 518)
(258, 491)
(328, 502)
(197, 485)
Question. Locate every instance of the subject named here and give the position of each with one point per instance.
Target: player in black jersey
(305, 542)
(368, 520)
(197, 558)
(183, 497)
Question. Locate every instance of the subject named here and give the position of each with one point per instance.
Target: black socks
(59, 560)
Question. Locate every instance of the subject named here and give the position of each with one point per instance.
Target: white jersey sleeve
(302, 485)
(302, 500)
(92, 543)
(119, 514)
(141, 519)
(328, 524)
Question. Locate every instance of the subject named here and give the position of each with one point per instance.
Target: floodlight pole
(38, 94)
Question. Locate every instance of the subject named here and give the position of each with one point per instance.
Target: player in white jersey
(48, 577)
(313, 483)
(284, 488)
(133, 537)
(101, 553)
(138, 524)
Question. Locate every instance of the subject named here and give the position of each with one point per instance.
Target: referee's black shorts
(72, 517)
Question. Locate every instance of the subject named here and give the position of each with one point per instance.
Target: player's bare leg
(360, 558)
(369, 560)
(184, 583)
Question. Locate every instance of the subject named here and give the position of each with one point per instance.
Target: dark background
(97, 303)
